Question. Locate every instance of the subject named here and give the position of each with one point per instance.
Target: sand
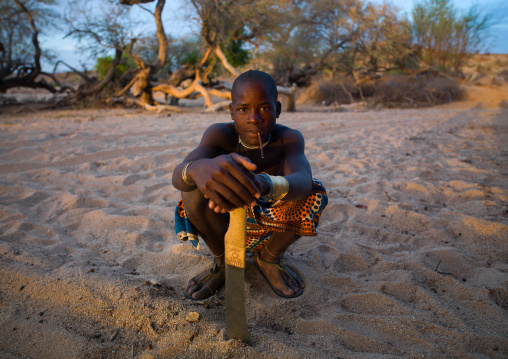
(410, 261)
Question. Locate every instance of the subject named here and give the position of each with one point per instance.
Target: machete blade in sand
(234, 242)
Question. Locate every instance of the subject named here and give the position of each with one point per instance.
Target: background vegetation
(339, 50)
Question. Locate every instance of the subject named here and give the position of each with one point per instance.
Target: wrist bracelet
(184, 175)
(268, 179)
(279, 187)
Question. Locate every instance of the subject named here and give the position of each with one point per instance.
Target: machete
(234, 243)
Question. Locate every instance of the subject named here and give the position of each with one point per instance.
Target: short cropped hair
(255, 75)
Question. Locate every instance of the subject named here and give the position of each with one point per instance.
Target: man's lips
(254, 133)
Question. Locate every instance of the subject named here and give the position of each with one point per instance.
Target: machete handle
(234, 240)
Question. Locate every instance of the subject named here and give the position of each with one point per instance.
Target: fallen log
(157, 108)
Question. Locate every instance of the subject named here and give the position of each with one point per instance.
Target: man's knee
(194, 203)
(285, 236)
(211, 226)
(194, 200)
(197, 210)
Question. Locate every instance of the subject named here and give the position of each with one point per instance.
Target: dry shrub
(328, 92)
(503, 74)
(368, 87)
(416, 91)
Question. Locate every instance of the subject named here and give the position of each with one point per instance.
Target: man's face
(254, 110)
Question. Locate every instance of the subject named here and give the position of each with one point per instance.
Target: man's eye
(242, 109)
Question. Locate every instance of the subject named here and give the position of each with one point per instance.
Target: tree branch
(79, 73)
(126, 87)
(137, 59)
(109, 77)
(176, 92)
(158, 108)
(51, 76)
(35, 41)
(161, 36)
(225, 62)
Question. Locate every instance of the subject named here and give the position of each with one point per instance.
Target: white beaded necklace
(254, 147)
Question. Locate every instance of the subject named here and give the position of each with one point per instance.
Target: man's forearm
(179, 177)
(300, 186)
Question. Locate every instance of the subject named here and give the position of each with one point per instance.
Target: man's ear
(279, 108)
(231, 110)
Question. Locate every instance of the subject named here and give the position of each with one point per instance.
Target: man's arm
(220, 178)
(297, 170)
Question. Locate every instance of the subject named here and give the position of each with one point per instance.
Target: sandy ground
(411, 259)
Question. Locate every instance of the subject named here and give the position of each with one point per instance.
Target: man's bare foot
(206, 283)
(283, 280)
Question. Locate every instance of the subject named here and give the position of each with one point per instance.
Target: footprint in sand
(135, 178)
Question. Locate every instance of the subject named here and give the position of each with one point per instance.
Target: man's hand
(227, 181)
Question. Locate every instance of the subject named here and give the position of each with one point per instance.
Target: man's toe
(293, 285)
(203, 293)
(290, 292)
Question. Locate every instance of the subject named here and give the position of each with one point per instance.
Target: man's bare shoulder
(222, 127)
(288, 134)
(219, 135)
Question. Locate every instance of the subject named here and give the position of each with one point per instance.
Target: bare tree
(221, 19)
(20, 51)
(110, 29)
(244, 20)
(99, 26)
(141, 83)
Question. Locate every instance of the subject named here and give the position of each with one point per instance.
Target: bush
(416, 91)
(330, 91)
(102, 65)
(503, 74)
(235, 53)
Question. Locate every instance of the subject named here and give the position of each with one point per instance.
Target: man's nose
(254, 116)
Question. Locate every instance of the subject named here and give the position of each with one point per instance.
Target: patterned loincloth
(300, 217)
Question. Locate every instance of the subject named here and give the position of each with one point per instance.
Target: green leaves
(446, 37)
(103, 63)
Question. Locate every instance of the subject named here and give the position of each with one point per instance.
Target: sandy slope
(410, 261)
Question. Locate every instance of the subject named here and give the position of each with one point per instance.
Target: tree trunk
(195, 86)
(28, 80)
(225, 62)
(141, 83)
(289, 93)
(25, 82)
(161, 37)
(110, 75)
(156, 108)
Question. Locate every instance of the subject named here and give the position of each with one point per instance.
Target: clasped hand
(228, 181)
